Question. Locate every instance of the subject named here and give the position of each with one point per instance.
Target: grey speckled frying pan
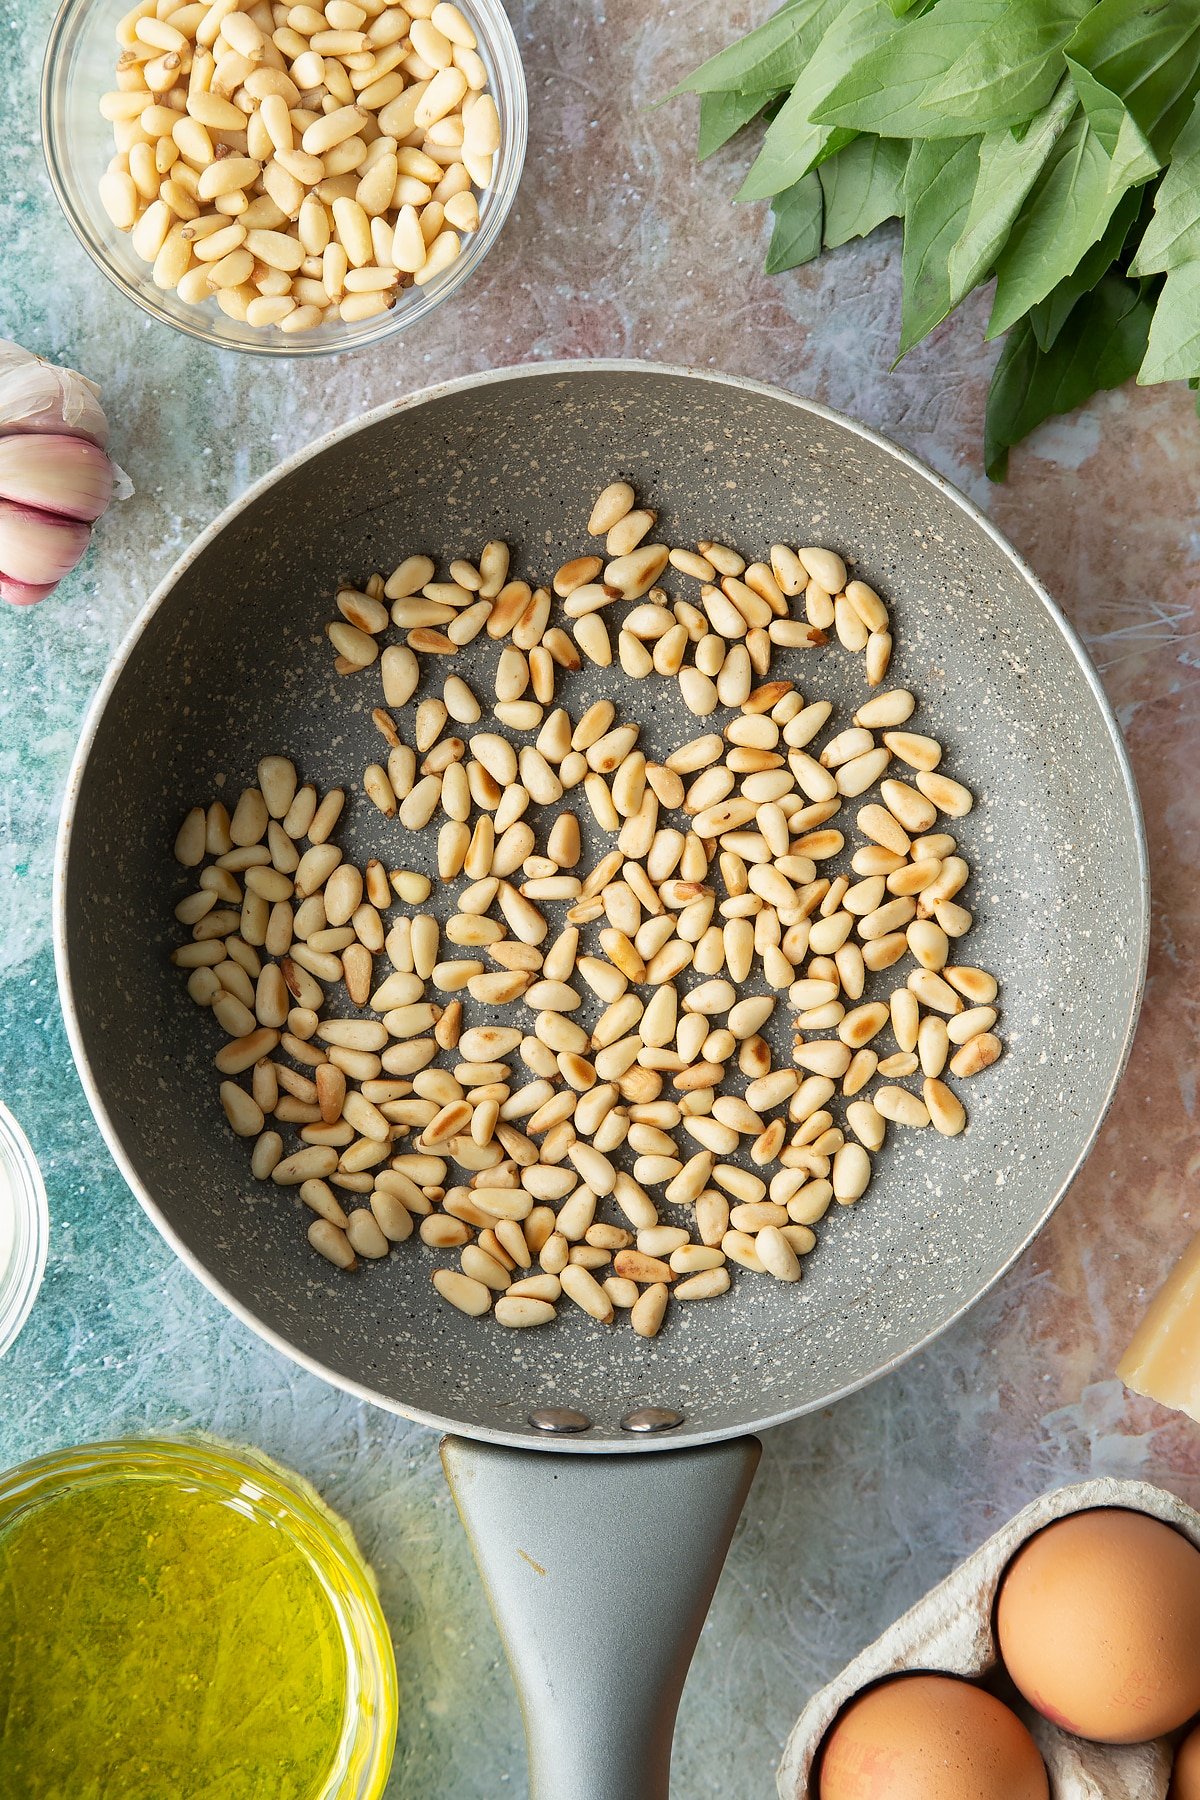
(228, 662)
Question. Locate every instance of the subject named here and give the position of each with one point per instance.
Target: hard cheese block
(1163, 1361)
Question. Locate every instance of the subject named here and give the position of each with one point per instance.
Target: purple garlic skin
(55, 476)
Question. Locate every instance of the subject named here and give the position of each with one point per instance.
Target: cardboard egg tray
(950, 1632)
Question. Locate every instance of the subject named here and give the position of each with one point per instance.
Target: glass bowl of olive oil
(178, 1617)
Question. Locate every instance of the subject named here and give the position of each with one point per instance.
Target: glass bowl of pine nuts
(279, 179)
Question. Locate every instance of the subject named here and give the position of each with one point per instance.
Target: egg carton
(951, 1632)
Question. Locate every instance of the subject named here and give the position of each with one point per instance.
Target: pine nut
(947, 796)
(867, 1123)
(933, 1044)
(862, 772)
(523, 1311)
(913, 810)
(975, 984)
(889, 709)
(332, 1244)
(469, 1296)
(946, 1111)
(851, 1174)
(900, 1106)
(705, 1286)
(777, 1255)
(582, 1287)
(878, 656)
(611, 505)
(978, 1053)
(933, 992)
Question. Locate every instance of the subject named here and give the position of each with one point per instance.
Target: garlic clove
(25, 593)
(38, 548)
(57, 474)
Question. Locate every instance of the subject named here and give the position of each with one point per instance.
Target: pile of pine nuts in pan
(298, 164)
(636, 1160)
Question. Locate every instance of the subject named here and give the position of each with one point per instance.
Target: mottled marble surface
(617, 246)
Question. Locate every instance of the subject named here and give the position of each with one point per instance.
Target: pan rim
(687, 1435)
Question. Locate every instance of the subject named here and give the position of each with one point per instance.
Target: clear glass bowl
(258, 1489)
(79, 66)
(24, 1228)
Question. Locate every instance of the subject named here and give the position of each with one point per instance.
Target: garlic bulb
(55, 476)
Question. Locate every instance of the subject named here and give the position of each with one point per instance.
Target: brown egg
(1185, 1777)
(930, 1737)
(1099, 1625)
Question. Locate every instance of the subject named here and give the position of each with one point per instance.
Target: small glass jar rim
(228, 1472)
(499, 41)
(19, 1282)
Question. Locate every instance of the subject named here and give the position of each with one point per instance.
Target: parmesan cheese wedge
(1163, 1360)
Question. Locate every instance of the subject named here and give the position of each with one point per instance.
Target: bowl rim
(21, 1280)
(565, 369)
(196, 1460)
(498, 201)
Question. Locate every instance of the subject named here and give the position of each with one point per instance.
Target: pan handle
(599, 1571)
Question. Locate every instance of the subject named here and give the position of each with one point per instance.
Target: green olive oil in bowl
(181, 1620)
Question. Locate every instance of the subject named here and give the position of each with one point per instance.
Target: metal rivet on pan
(651, 1418)
(559, 1419)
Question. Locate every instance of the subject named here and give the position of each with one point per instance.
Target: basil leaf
(1173, 234)
(938, 185)
(1173, 353)
(793, 144)
(1050, 315)
(1011, 70)
(1144, 56)
(766, 60)
(1107, 339)
(799, 214)
(723, 115)
(1067, 210)
(1008, 168)
(885, 90)
(863, 185)
(1131, 153)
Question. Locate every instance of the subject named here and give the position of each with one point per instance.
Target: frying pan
(600, 1568)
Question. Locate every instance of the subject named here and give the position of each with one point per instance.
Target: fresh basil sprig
(1053, 144)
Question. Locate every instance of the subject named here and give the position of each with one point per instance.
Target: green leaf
(793, 144)
(723, 115)
(764, 61)
(1050, 315)
(1129, 150)
(1067, 210)
(938, 185)
(863, 186)
(1012, 68)
(1144, 56)
(1107, 339)
(1173, 353)
(799, 214)
(1008, 168)
(1173, 234)
(885, 90)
